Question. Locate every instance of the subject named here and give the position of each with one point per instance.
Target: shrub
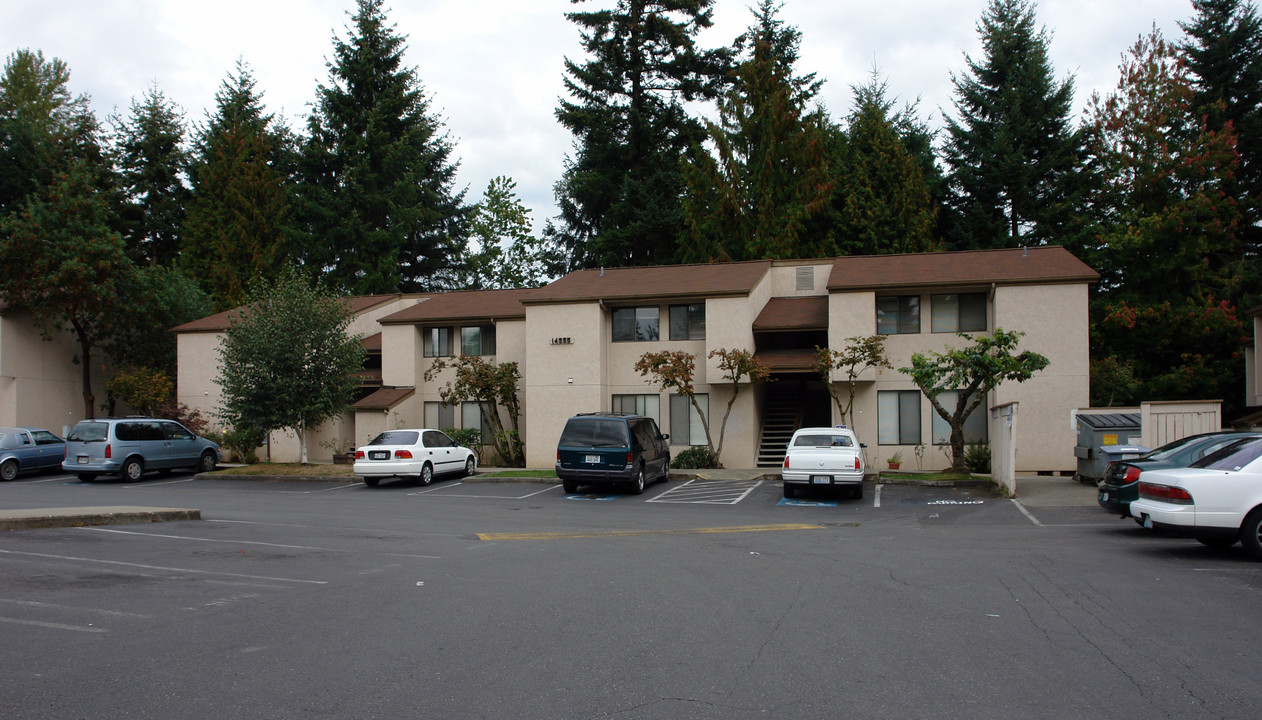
(693, 458)
(184, 415)
(467, 437)
(977, 458)
(243, 443)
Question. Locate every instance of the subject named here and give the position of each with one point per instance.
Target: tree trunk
(85, 357)
(957, 446)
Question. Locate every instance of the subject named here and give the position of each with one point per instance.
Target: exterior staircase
(779, 419)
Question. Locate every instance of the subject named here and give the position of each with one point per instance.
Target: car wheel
(468, 467)
(133, 469)
(637, 486)
(9, 469)
(427, 474)
(570, 486)
(1251, 533)
(371, 481)
(789, 491)
(1217, 542)
(207, 462)
(86, 477)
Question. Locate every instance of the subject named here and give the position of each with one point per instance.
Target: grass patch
(930, 476)
(291, 470)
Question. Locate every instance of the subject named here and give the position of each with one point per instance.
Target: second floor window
(477, 340)
(965, 312)
(437, 342)
(636, 324)
(898, 314)
(687, 322)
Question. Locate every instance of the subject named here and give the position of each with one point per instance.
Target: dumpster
(1103, 438)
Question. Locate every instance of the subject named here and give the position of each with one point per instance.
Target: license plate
(822, 479)
(591, 459)
(83, 459)
(1148, 522)
(379, 455)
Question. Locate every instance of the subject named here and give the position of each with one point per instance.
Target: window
(898, 417)
(965, 312)
(437, 342)
(176, 431)
(471, 418)
(687, 322)
(646, 405)
(636, 324)
(685, 421)
(898, 315)
(439, 415)
(976, 429)
(477, 340)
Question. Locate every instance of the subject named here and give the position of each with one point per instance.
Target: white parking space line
(55, 478)
(239, 542)
(487, 497)
(53, 626)
(71, 558)
(708, 492)
(57, 606)
(876, 496)
(1026, 512)
(156, 484)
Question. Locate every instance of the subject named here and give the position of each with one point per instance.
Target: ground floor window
(439, 416)
(646, 405)
(471, 418)
(976, 429)
(898, 417)
(685, 421)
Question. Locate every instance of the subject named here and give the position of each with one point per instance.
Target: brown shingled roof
(466, 305)
(220, 321)
(1045, 264)
(796, 313)
(711, 280)
(791, 360)
(384, 398)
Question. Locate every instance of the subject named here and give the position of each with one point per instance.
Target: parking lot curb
(36, 518)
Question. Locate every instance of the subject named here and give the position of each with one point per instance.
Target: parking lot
(695, 599)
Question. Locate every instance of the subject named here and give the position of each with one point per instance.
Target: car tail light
(109, 451)
(856, 463)
(359, 454)
(1165, 493)
(630, 458)
(1132, 474)
(402, 454)
(786, 462)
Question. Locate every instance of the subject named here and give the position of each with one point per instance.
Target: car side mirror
(863, 445)
(663, 436)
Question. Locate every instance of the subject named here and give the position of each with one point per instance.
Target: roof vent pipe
(1025, 251)
(602, 270)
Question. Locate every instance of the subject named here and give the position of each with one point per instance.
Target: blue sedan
(29, 449)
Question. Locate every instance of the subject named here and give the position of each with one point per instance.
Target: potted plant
(896, 460)
(343, 453)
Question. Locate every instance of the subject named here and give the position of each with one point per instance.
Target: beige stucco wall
(41, 383)
(197, 367)
(563, 379)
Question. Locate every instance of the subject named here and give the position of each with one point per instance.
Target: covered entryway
(786, 333)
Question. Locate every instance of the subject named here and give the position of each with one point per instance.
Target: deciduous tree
(860, 354)
(492, 386)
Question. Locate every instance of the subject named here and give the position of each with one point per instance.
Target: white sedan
(1218, 500)
(418, 454)
(823, 457)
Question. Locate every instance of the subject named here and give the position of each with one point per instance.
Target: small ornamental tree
(491, 386)
(860, 354)
(674, 369)
(287, 360)
(973, 372)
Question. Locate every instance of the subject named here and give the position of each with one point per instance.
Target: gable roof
(795, 313)
(465, 305)
(664, 281)
(220, 321)
(1043, 264)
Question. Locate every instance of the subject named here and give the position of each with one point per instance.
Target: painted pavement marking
(582, 534)
(709, 492)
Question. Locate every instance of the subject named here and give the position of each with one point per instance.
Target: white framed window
(963, 312)
(477, 340)
(898, 417)
(685, 421)
(976, 429)
(898, 315)
(638, 324)
(687, 322)
(646, 405)
(471, 417)
(437, 342)
(439, 416)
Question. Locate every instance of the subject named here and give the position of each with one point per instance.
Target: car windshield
(592, 432)
(1233, 457)
(822, 441)
(396, 437)
(88, 432)
(1171, 448)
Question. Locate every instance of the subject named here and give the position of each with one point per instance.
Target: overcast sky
(493, 68)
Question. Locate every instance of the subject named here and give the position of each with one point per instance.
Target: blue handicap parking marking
(583, 496)
(809, 503)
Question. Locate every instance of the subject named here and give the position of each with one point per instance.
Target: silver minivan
(128, 447)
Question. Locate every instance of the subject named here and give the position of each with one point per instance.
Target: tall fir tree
(152, 163)
(239, 213)
(1013, 151)
(619, 197)
(378, 212)
(1223, 52)
(770, 177)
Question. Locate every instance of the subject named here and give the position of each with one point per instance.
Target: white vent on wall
(806, 278)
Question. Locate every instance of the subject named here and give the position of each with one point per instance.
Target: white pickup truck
(823, 457)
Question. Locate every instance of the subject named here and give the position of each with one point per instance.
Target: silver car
(129, 447)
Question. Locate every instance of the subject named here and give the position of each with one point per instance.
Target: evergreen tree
(883, 202)
(152, 164)
(1223, 51)
(1012, 152)
(770, 177)
(239, 211)
(620, 195)
(379, 213)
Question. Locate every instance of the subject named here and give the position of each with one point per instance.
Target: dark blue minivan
(605, 448)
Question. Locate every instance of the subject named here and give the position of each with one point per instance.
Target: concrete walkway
(83, 516)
